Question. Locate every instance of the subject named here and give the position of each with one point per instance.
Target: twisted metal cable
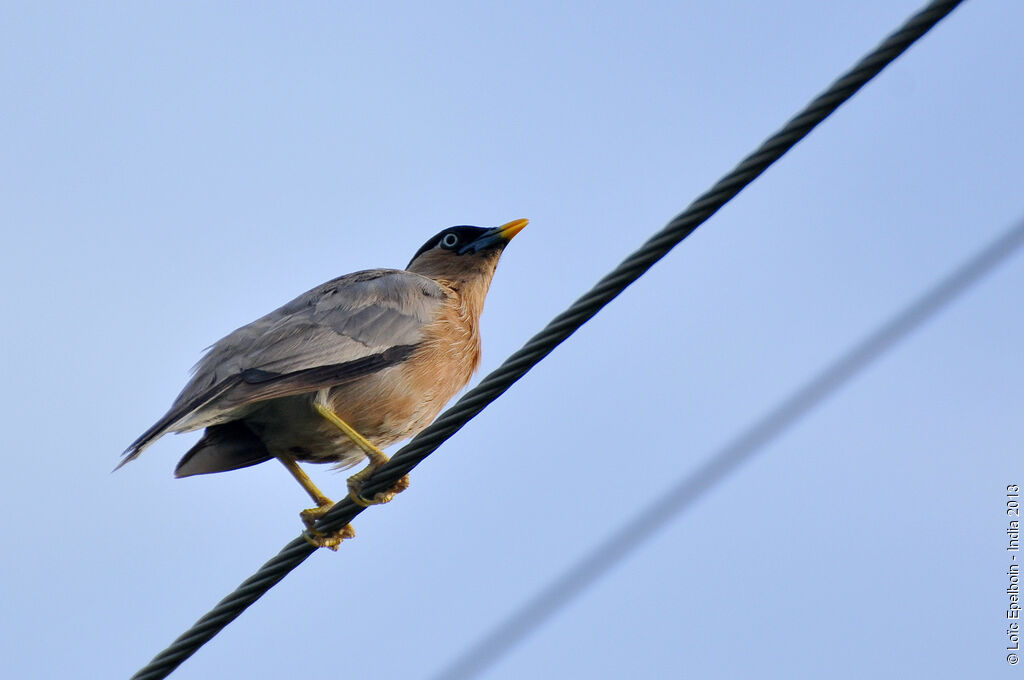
(535, 611)
(557, 331)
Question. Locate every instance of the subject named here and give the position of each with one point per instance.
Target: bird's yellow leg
(302, 478)
(376, 456)
(310, 516)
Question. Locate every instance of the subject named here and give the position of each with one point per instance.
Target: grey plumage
(359, 316)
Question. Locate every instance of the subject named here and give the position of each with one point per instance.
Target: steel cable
(557, 331)
(656, 515)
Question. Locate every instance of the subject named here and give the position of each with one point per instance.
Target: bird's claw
(355, 487)
(319, 539)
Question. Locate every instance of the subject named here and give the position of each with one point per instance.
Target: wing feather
(343, 329)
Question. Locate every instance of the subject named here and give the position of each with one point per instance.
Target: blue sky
(171, 172)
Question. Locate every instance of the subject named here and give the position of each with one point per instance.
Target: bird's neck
(470, 293)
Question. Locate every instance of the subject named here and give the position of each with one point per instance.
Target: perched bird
(356, 364)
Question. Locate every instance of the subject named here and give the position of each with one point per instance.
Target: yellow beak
(510, 229)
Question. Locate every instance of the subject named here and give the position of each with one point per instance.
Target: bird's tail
(223, 447)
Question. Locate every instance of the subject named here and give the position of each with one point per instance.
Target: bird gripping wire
(558, 330)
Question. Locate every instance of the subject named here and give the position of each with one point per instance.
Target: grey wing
(339, 331)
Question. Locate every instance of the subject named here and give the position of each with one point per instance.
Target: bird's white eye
(449, 240)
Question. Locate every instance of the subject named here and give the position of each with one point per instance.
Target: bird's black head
(465, 240)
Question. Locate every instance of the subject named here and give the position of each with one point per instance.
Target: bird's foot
(355, 488)
(319, 539)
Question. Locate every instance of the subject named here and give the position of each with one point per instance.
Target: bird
(354, 365)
